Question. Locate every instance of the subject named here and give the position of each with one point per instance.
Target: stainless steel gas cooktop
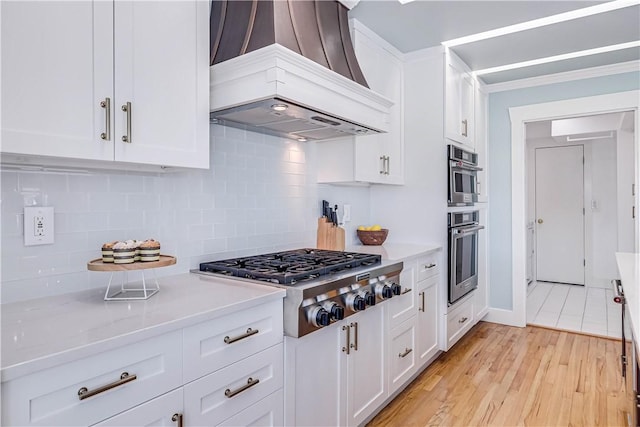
(323, 287)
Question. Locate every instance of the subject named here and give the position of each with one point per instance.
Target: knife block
(330, 236)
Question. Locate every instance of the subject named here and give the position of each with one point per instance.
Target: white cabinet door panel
(57, 65)
(161, 69)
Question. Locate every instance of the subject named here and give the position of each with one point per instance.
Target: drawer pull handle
(250, 383)
(347, 348)
(464, 319)
(354, 326)
(421, 308)
(247, 334)
(406, 291)
(84, 392)
(405, 353)
(127, 109)
(178, 418)
(429, 266)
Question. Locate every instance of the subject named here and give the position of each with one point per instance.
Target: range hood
(288, 68)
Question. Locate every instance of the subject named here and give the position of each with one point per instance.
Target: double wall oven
(463, 225)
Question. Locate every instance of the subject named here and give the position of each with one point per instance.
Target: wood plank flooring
(499, 375)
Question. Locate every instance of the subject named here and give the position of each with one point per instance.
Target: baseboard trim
(503, 317)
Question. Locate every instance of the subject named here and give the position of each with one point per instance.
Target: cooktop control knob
(369, 298)
(355, 302)
(319, 317)
(335, 311)
(395, 288)
(383, 291)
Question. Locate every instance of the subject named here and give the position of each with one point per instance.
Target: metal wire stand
(126, 293)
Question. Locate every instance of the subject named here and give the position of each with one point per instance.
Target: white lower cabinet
(187, 377)
(165, 410)
(337, 375)
(402, 354)
(94, 388)
(218, 396)
(427, 319)
(459, 320)
(268, 412)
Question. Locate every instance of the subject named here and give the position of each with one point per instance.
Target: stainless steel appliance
(322, 286)
(619, 298)
(463, 253)
(463, 170)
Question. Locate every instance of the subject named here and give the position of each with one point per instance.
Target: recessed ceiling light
(554, 58)
(549, 20)
(279, 107)
(302, 139)
(405, 1)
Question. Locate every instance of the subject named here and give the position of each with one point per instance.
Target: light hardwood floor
(505, 376)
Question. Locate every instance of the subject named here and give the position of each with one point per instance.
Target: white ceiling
(424, 23)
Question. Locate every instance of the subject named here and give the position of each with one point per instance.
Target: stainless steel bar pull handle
(127, 109)
(247, 334)
(354, 346)
(406, 291)
(464, 319)
(382, 169)
(429, 266)
(405, 353)
(250, 383)
(85, 393)
(106, 104)
(177, 418)
(421, 308)
(347, 348)
(387, 168)
(464, 127)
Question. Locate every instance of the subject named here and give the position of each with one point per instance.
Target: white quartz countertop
(45, 332)
(395, 251)
(629, 268)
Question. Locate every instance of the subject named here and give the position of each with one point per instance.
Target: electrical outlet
(38, 225)
(346, 217)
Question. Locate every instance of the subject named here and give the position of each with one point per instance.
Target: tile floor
(573, 308)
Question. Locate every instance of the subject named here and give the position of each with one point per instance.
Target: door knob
(540, 221)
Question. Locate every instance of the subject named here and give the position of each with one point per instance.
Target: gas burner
(291, 267)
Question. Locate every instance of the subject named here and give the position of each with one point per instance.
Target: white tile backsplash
(260, 195)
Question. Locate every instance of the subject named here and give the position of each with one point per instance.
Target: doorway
(615, 102)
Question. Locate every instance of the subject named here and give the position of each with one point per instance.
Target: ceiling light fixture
(302, 139)
(405, 1)
(549, 20)
(554, 58)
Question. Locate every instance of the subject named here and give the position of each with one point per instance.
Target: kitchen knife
(325, 209)
(334, 217)
(335, 213)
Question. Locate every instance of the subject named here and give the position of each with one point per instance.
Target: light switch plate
(38, 225)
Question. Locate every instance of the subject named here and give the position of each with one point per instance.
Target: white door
(560, 214)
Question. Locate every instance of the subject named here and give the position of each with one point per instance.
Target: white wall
(626, 174)
(259, 195)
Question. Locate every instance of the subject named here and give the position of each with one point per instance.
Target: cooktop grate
(290, 267)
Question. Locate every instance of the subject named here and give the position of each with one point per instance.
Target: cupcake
(107, 251)
(149, 250)
(124, 252)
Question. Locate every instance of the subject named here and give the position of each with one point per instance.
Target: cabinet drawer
(428, 266)
(402, 307)
(459, 321)
(216, 343)
(402, 354)
(267, 412)
(157, 412)
(207, 401)
(50, 397)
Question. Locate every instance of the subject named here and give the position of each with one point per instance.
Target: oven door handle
(468, 229)
(459, 165)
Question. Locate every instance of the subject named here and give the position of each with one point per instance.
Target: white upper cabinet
(68, 68)
(376, 159)
(459, 101)
(52, 83)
